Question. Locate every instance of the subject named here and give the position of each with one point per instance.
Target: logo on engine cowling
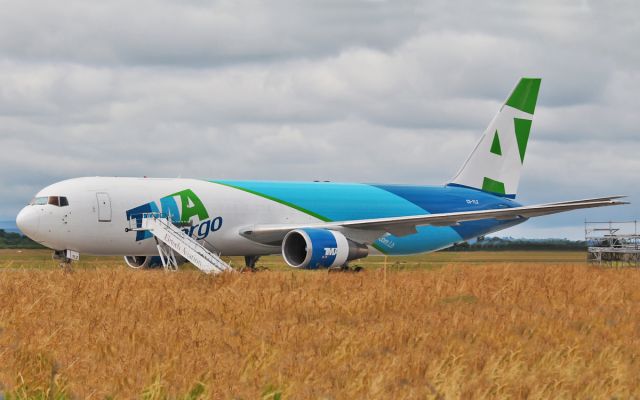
(330, 251)
(183, 206)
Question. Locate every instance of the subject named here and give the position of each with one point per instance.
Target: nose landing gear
(65, 257)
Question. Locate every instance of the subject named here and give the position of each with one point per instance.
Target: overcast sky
(366, 91)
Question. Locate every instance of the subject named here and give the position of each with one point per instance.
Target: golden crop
(494, 329)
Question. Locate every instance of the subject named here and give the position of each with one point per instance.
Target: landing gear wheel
(65, 263)
(250, 264)
(344, 268)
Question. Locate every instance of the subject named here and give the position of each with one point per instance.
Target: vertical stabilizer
(496, 162)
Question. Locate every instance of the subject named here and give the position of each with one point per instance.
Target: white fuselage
(95, 221)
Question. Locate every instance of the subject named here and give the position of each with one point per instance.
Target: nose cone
(28, 221)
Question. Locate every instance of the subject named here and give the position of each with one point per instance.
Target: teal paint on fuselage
(353, 201)
(427, 238)
(334, 201)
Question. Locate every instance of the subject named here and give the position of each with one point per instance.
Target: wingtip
(619, 203)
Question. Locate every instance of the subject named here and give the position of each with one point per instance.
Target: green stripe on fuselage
(283, 202)
(294, 206)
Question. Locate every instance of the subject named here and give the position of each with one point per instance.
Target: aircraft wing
(403, 226)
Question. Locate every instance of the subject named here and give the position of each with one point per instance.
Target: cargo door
(104, 207)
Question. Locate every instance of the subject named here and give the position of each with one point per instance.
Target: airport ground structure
(615, 244)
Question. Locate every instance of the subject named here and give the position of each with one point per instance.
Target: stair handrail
(192, 243)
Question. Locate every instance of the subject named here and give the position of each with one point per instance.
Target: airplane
(313, 225)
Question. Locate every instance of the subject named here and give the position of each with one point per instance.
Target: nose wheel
(65, 257)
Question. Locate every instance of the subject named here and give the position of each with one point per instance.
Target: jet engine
(313, 248)
(143, 261)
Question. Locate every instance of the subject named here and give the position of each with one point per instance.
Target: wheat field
(446, 325)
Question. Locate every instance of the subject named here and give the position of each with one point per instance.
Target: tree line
(11, 240)
(498, 244)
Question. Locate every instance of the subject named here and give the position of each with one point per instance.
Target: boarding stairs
(170, 240)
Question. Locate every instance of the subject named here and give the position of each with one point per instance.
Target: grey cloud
(370, 91)
(199, 34)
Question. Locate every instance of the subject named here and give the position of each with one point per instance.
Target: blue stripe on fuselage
(447, 199)
(508, 196)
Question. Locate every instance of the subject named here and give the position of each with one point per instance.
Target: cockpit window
(39, 201)
(58, 201)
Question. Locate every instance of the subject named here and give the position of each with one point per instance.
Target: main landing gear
(250, 263)
(344, 268)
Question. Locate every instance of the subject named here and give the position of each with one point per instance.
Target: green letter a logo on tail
(496, 163)
(525, 95)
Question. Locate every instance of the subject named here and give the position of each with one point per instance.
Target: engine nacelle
(143, 261)
(313, 248)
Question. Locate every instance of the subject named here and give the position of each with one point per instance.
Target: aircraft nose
(28, 221)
